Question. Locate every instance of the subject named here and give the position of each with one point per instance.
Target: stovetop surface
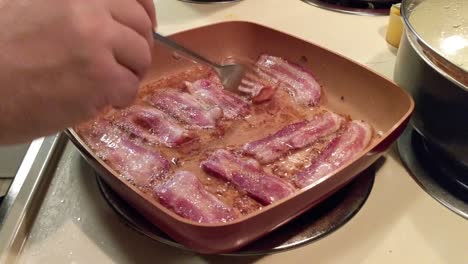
(399, 223)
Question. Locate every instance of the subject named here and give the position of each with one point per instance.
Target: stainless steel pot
(438, 86)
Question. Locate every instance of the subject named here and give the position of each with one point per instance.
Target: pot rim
(434, 58)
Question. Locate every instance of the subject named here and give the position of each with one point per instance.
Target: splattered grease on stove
(210, 155)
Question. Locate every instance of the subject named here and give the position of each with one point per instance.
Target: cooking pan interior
(348, 87)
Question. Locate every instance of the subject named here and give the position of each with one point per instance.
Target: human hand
(62, 61)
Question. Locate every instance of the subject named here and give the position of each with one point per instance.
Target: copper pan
(349, 87)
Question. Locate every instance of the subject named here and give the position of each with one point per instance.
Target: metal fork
(230, 75)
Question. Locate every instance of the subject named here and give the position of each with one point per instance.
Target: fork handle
(174, 45)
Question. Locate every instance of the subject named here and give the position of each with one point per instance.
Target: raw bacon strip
(185, 195)
(211, 92)
(137, 164)
(355, 138)
(293, 137)
(265, 94)
(247, 175)
(299, 82)
(153, 125)
(186, 108)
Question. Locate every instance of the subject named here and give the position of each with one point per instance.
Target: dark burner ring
(443, 179)
(316, 223)
(356, 7)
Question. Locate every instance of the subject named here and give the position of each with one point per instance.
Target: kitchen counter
(399, 223)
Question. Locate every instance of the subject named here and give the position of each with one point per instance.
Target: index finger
(148, 5)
